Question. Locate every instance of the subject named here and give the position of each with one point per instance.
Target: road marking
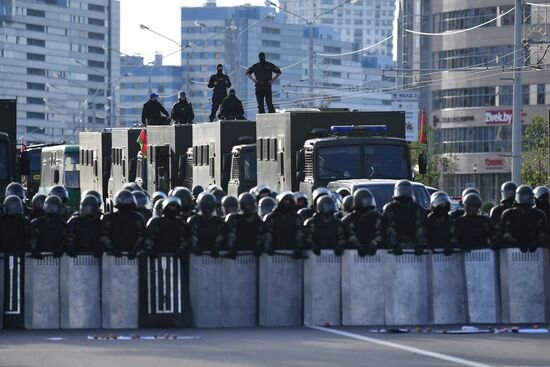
(427, 353)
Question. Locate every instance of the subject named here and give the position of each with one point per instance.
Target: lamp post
(310, 23)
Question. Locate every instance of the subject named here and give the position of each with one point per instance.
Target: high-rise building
(60, 59)
(139, 80)
(364, 22)
(466, 83)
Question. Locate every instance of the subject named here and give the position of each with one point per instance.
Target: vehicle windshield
(72, 176)
(383, 195)
(339, 162)
(36, 161)
(4, 161)
(249, 164)
(386, 161)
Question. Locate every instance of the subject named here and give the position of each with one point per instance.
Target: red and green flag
(423, 139)
(142, 141)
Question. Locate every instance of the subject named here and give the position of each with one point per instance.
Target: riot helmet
(440, 202)
(318, 193)
(301, 200)
(286, 201)
(13, 205)
(142, 200)
(125, 200)
(132, 186)
(326, 205)
(247, 203)
(403, 189)
(157, 209)
(158, 195)
(347, 204)
(89, 205)
(94, 193)
(470, 190)
(197, 189)
(15, 188)
(61, 192)
(508, 191)
(266, 205)
(38, 201)
(363, 199)
(207, 204)
(218, 194)
(53, 205)
(185, 196)
(524, 196)
(262, 191)
(343, 191)
(472, 203)
(230, 204)
(171, 207)
(542, 197)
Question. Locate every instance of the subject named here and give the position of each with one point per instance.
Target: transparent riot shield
(482, 289)
(205, 290)
(240, 290)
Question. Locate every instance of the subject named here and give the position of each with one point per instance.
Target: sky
(162, 16)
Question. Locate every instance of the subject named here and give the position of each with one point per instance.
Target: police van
(60, 166)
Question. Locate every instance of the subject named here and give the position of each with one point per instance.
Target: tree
(534, 160)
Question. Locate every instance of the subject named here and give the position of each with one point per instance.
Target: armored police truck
(95, 161)
(284, 162)
(60, 166)
(213, 144)
(243, 168)
(124, 152)
(167, 156)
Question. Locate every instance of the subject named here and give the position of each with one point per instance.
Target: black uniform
(524, 228)
(49, 234)
(151, 113)
(439, 227)
(473, 232)
(283, 231)
(364, 231)
(263, 72)
(406, 225)
(244, 232)
(166, 235)
(219, 82)
(205, 234)
(15, 231)
(496, 217)
(324, 232)
(83, 234)
(182, 112)
(123, 231)
(232, 108)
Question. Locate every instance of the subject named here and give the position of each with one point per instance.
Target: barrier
(240, 291)
(164, 301)
(80, 292)
(482, 289)
(205, 288)
(525, 286)
(362, 289)
(322, 289)
(448, 290)
(280, 290)
(406, 289)
(14, 291)
(42, 308)
(119, 292)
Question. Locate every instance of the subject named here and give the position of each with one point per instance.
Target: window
(95, 21)
(268, 30)
(541, 93)
(479, 139)
(34, 71)
(96, 50)
(96, 78)
(33, 100)
(340, 162)
(270, 43)
(248, 165)
(386, 161)
(465, 97)
(34, 28)
(36, 86)
(476, 56)
(462, 19)
(36, 57)
(94, 7)
(506, 95)
(36, 115)
(36, 42)
(96, 64)
(525, 94)
(36, 13)
(96, 36)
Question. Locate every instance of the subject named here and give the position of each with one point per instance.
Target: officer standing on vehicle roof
(232, 108)
(219, 82)
(182, 110)
(263, 78)
(152, 110)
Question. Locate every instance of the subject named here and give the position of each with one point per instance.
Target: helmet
(185, 196)
(301, 199)
(540, 191)
(261, 191)
(343, 191)
(182, 95)
(53, 205)
(158, 195)
(472, 203)
(326, 205)
(13, 205)
(440, 199)
(403, 189)
(94, 193)
(132, 186)
(124, 198)
(15, 188)
(286, 201)
(61, 192)
(247, 203)
(347, 204)
(89, 205)
(469, 190)
(508, 191)
(157, 209)
(318, 192)
(230, 204)
(142, 200)
(38, 201)
(207, 203)
(218, 194)
(266, 205)
(171, 207)
(197, 189)
(524, 195)
(363, 199)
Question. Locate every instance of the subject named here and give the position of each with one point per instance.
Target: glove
(371, 250)
(71, 253)
(448, 251)
(533, 248)
(232, 254)
(215, 253)
(362, 251)
(397, 250)
(418, 251)
(197, 251)
(58, 253)
(270, 251)
(296, 254)
(523, 248)
(338, 251)
(97, 253)
(116, 253)
(132, 255)
(316, 251)
(37, 255)
(257, 252)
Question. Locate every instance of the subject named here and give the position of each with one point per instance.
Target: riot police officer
(230, 205)
(37, 206)
(232, 108)
(542, 199)
(439, 223)
(262, 191)
(507, 195)
(49, 232)
(63, 194)
(182, 110)
(524, 226)
(143, 204)
(196, 190)
(123, 230)
(157, 209)
(324, 231)
(266, 206)
(245, 229)
(15, 188)
(364, 226)
(307, 213)
(460, 210)
(14, 227)
(169, 232)
(406, 220)
(347, 206)
(284, 227)
(186, 199)
(219, 83)
(158, 195)
(84, 228)
(473, 230)
(301, 200)
(206, 228)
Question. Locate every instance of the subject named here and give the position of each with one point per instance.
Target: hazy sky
(163, 16)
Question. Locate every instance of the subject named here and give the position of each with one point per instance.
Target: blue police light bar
(359, 129)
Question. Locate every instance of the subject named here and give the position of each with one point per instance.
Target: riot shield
(240, 291)
(205, 290)
(482, 289)
(42, 307)
(14, 291)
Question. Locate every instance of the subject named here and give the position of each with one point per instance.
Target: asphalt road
(300, 347)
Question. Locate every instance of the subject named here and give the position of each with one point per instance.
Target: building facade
(471, 108)
(60, 59)
(139, 80)
(364, 22)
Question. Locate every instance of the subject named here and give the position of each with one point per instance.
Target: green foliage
(534, 160)
(486, 208)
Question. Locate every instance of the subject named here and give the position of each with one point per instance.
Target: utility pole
(310, 66)
(517, 90)
(399, 60)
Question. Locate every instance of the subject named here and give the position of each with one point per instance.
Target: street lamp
(310, 23)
